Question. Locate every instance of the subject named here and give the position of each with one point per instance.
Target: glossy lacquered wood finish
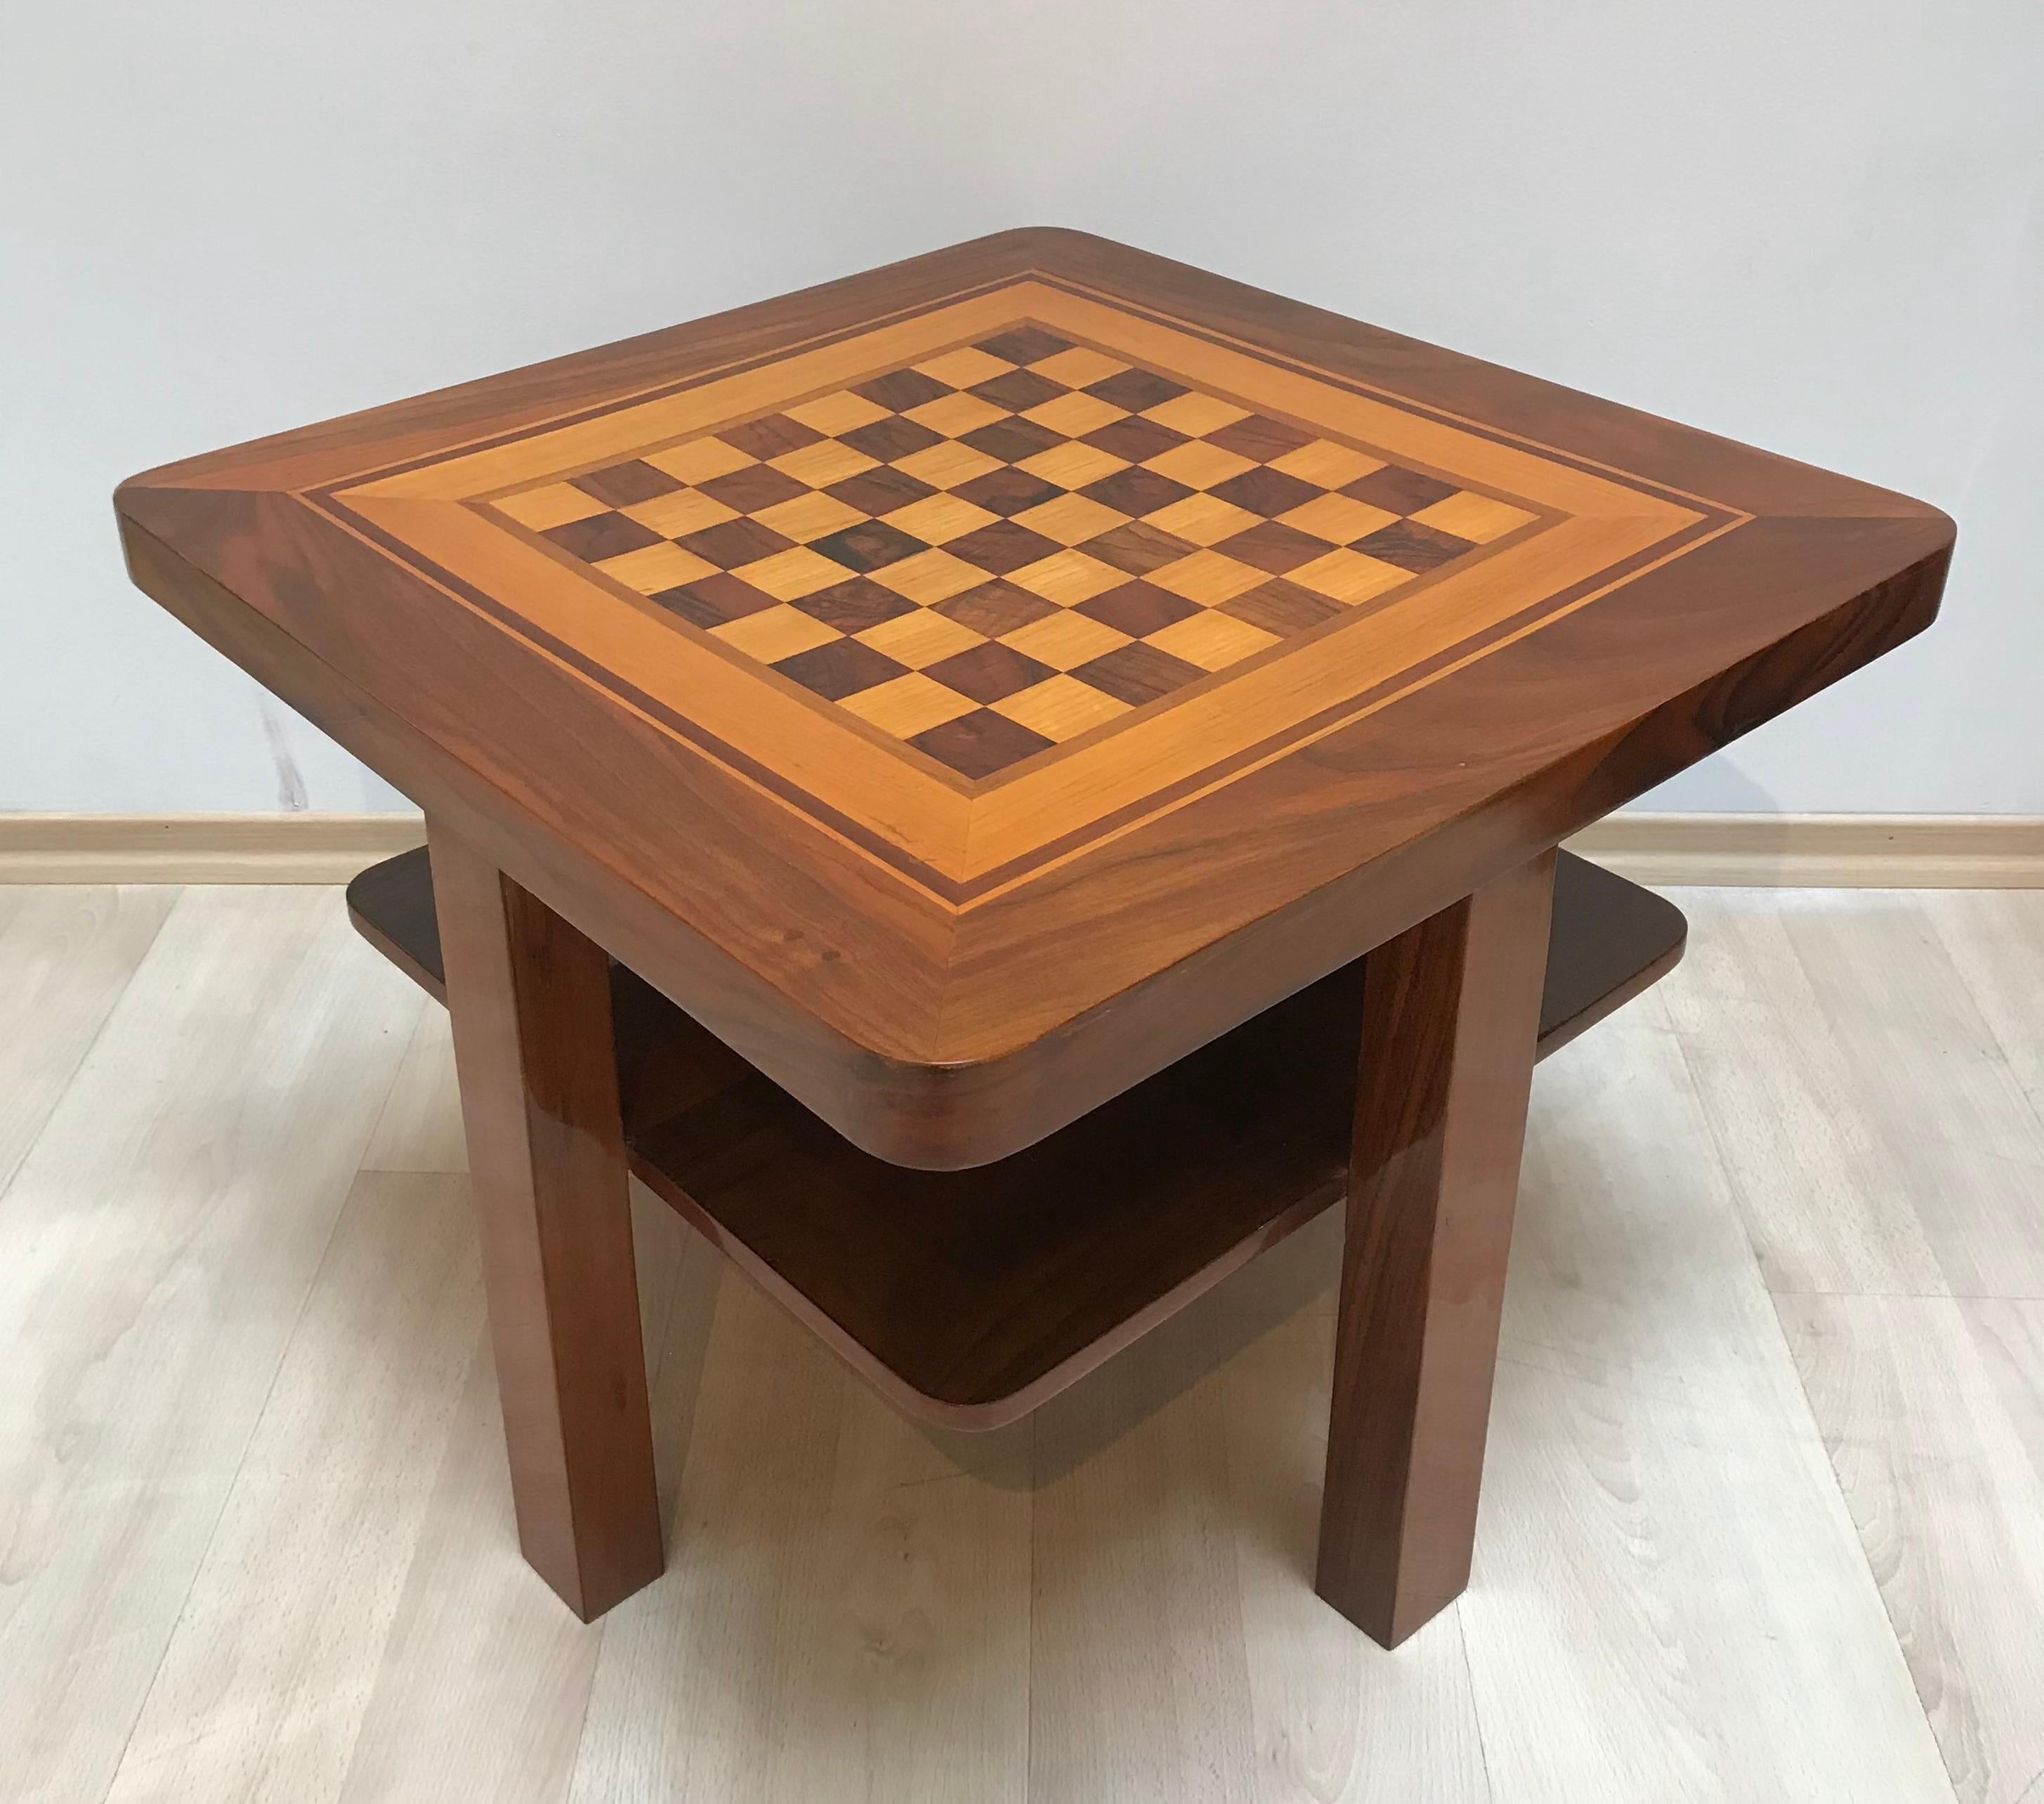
(535, 1047)
(969, 1297)
(1609, 940)
(1452, 1011)
(942, 1027)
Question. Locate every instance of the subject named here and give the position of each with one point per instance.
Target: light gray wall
(1819, 227)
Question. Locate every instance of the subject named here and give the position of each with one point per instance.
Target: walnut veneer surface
(969, 686)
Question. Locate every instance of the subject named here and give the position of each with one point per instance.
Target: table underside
(970, 1296)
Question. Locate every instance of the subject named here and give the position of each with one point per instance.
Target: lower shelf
(970, 1296)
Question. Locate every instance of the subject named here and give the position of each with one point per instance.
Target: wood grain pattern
(970, 1296)
(374, 1368)
(1992, 944)
(1450, 1013)
(480, 1663)
(66, 955)
(949, 957)
(1629, 1635)
(1868, 1137)
(420, 1129)
(150, 1285)
(533, 1044)
(1670, 1598)
(1932, 1411)
(1333, 1717)
(1132, 1524)
(857, 1590)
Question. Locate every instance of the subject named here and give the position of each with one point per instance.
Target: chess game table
(1003, 786)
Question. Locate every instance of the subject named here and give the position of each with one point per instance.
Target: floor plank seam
(1590, 1683)
(588, 1699)
(2009, 1059)
(1475, 1703)
(1919, 1296)
(79, 1064)
(227, 1492)
(1726, 1166)
(1859, 1545)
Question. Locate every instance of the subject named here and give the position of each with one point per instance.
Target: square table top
(971, 684)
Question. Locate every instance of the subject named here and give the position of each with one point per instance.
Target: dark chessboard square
(843, 667)
(1136, 389)
(1413, 546)
(1002, 547)
(1271, 546)
(1136, 491)
(995, 608)
(1281, 607)
(854, 604)
(902, 390)
(979, 744)
(1137, 440)
(879, 491)
(988, 672)
(1025, 344)
(770, 438)
(623, 484)
(1138, 673)
(1259, 436)
(1012, 440)
(1136, 549)
(756, 486)
(889, 439)
(1399, 490)
(732, 542)
(711, 600)
(1018, 390)
(1266, 491)
(1007, 491)
(1137, 608)
(872, 545)
(601, 535)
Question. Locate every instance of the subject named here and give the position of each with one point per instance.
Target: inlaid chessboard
(990, 550)
(974, 587)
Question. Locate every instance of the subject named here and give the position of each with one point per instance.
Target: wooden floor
(1765, 1513)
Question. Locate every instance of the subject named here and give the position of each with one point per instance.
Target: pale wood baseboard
(1900, 851)
(200, 848)
(1908, 852)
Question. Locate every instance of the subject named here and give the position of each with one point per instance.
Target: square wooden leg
(1451, 1012)
(530, 999)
